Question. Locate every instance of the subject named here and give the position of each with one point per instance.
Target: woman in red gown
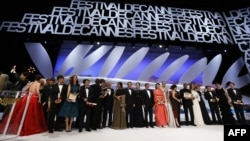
(34, 121)
(161, 117)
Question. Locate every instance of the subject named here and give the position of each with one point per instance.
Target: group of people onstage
(56, 106)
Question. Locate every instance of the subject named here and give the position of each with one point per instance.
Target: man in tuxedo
(148, 104)
(20, 83)
(108, 102)
(21, 80)
(130, 104)
(236, 97)
(55, 103)
(85, 105)
(210, 96)
(46, 92)
(187, 105)
(96, 116)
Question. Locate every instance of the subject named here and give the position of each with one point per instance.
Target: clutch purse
(187, 95)
(73, 96)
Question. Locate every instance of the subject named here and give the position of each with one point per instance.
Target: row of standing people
(85, 108)
(141, 106)
(123, 107)
(97, 103)
(130, 106)
(137, 106)
(220, 101)
(49, 106)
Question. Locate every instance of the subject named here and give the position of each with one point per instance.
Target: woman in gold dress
(119, 114)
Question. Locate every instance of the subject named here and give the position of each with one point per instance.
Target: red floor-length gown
(34, 121)
(161, 117)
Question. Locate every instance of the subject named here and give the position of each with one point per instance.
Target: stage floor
(187, 133)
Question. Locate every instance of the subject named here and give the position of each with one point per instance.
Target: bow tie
(60, 84)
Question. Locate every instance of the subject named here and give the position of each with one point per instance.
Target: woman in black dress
(138, 113)
(224, 102)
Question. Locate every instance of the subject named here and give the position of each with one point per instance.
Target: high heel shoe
(178, 125)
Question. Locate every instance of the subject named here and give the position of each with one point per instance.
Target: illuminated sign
(88, 18)
(239, 21)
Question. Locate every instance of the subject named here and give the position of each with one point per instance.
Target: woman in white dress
(170, 115)
(171, 122)
(198, 119)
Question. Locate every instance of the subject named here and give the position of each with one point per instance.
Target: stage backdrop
(174, 64)
(133, 22)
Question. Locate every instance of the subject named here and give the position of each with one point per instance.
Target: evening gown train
(138, 110)
(170, 112)
(198, 119)
(34, 121)
(204, 111)
(119, 114)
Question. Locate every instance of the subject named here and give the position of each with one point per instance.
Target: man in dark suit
(108, 102)
(148, 104)
(20, 84)
(46, 93)
(85, 105)
(21, 80)
(187, 105)
(96, 115)
(130, 104)
(210, 96)
(56, 100)
(236, 97)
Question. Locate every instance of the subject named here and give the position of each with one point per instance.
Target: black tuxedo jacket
(129, 99)
(19, 84)
(208, 97)
(146, 100)
(185, 101)
(83, 95)
(56, 91)
(97, 93)
(46, 93)
(234, 97)
(109, 99)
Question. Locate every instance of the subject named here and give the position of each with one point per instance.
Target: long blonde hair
(4, 78)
